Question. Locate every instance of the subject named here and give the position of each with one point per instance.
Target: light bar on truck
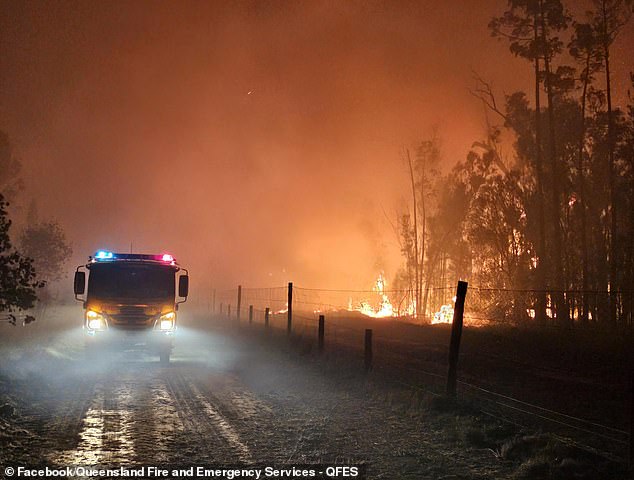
(105, 255)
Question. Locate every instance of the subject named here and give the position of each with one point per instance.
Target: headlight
(167, 321)
(95, 320)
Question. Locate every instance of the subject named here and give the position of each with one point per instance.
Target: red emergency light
(104, 256)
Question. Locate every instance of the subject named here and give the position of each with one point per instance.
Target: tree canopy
(18, 280)
(543, 232)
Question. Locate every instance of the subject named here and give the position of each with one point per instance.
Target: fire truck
(131, 301)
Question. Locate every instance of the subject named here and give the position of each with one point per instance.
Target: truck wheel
(165, 358)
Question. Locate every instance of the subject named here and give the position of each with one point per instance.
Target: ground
(231, 398)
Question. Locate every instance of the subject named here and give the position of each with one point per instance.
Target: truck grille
(131, 317)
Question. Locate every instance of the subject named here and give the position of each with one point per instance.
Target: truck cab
(131, 301)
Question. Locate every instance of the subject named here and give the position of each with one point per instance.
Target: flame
(284, 310)
(444, 315)
(384, 309)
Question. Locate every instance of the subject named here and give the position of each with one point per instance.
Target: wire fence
(530, 372)
(487, 305)
(558, 307)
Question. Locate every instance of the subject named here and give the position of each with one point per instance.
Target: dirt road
(220, 401)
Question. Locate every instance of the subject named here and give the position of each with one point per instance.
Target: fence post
(456, 333)
(239, 302)
(368, 349)
(250, 313)
(229, 311)
(289, 311)
(220, 312)
(213, 301)
(320, 336)
(267, 310)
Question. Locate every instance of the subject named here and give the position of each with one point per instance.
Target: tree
(406, 278)
(411, 239)
(10, 168)
(627, 153)
(520, 25)
(482, 226)
(18, 281)
(46, 244)
(608, 18)
(553, 19)
(414, 239)
(584, 48)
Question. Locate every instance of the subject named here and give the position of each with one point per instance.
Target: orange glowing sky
(257, 141)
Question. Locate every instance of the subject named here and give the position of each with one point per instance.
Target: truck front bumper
(121, 339)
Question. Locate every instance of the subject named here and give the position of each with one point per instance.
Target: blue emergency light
(102, 255)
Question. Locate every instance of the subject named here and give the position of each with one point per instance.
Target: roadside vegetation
(38, 258)
(540, 212)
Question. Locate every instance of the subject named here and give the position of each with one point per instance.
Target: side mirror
(80, 283)
(183, 286)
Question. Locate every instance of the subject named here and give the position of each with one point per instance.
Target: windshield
(129, 280)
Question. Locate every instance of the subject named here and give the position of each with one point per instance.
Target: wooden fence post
(456, 334)
(320, 335)
(239, 302)
(368, 349)
(229, 311)
(220, 312)
(213, 301)
(289, 311)
(250, 313)
(267, 310)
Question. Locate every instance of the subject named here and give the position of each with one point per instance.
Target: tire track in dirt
(263, 430)
(128, 418)
(105, 436)
(275, 433)
(202, 416)
(70, 418)
(157, 423)
(133, 414)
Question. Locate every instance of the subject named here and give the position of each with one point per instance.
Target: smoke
(253, 140)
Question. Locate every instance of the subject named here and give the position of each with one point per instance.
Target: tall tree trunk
(430, 271)
(559, 304)
(540, 313)
(417, 271)
(582, 194)
(611, 171)
(423, 243)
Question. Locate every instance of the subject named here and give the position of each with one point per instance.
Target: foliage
(46, 244)
(484, 218)
(18, 282)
